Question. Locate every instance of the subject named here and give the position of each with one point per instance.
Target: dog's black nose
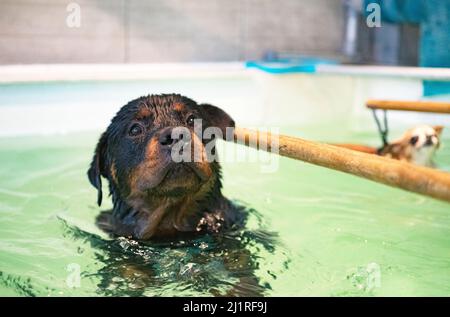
(165, 138)
(429, 140)
(170, 136)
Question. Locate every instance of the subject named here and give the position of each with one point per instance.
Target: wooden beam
(420, 106)
(421, 180)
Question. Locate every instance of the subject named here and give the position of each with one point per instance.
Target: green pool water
(311, 231)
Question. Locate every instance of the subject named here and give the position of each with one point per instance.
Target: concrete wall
(121, 31)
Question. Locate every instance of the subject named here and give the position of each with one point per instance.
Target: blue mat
(290, 65)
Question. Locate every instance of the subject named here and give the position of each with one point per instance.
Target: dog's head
(424, 137)
(154, 150)
(417, 145)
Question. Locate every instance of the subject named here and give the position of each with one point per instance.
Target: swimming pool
(311, 231)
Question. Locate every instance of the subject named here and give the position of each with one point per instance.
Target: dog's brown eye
(190, 120)
(135, 130)
(414, 140)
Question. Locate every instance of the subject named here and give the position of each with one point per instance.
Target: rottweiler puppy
(162, 200)
(155, 197)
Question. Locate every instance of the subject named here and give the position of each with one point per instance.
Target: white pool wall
(47, 99)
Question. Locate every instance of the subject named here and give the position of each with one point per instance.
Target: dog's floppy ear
(218, 118)
(97, 168)
(438, 129)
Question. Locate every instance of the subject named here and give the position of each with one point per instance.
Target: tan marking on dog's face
(200, 158)
(143, 112)
(114, 173)
(147, 169)
(179, 107)
(151, 152)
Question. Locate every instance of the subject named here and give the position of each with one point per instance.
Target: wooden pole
(420, 106)
(357, 147)
(421, 180)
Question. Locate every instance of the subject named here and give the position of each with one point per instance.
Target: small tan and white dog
(417, 146)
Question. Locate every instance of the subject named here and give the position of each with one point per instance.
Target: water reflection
(219, 265)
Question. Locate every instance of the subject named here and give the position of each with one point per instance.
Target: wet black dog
(153, 196)
(161, 201)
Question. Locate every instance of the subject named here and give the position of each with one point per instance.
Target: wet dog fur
(160, 201)
(153, 197)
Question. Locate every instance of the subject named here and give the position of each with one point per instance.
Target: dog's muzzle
(430, 141)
